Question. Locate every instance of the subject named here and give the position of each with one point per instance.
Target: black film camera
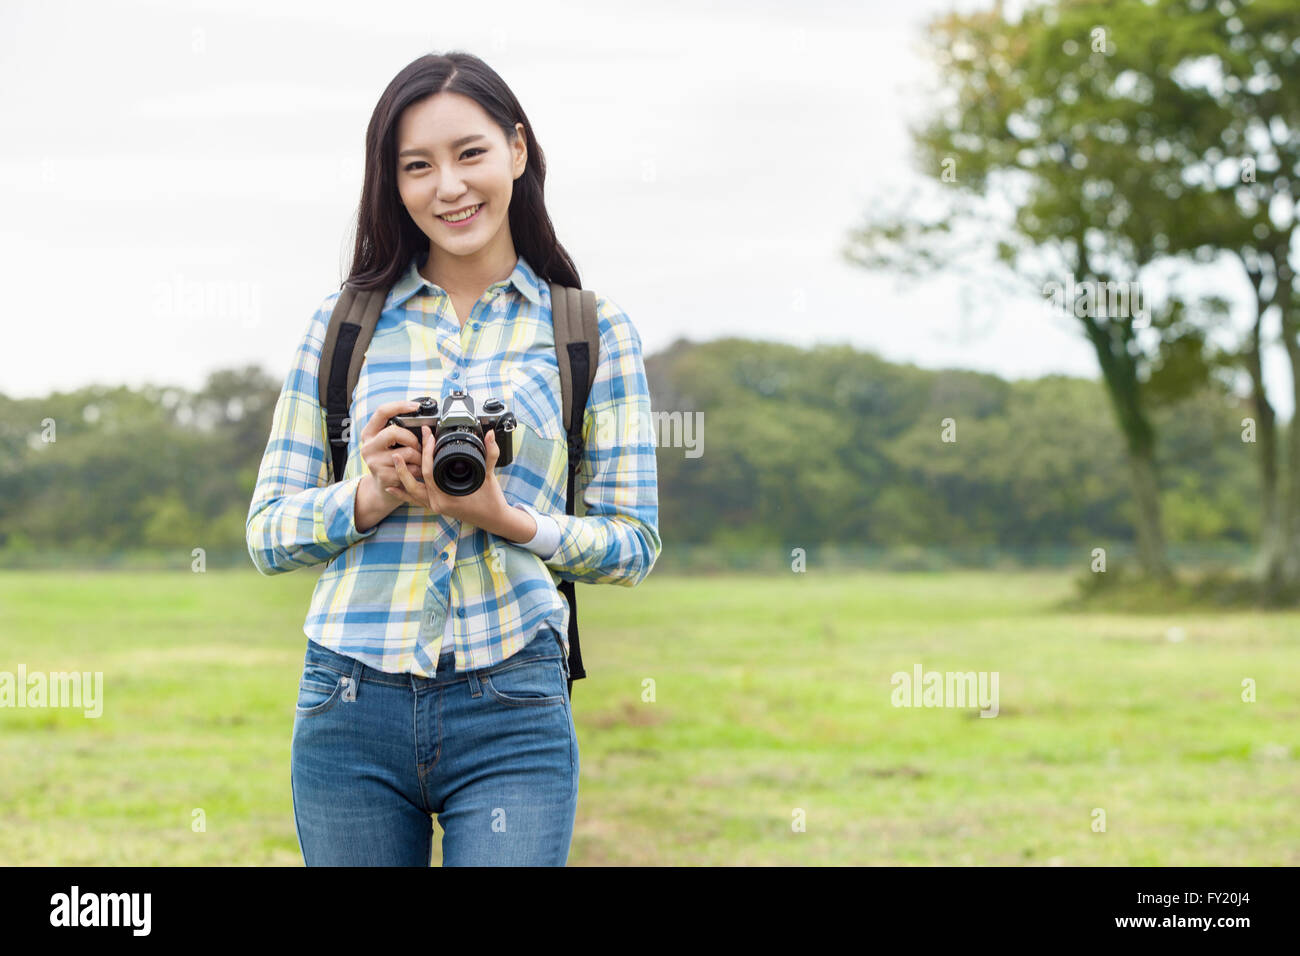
(459, 455)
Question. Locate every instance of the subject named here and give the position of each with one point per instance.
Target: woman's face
(450, 156)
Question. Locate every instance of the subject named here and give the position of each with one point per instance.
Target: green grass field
(772, 703)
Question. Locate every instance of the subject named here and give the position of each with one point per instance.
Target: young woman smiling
(434, 681)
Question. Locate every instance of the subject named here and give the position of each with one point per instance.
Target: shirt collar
(410, 282)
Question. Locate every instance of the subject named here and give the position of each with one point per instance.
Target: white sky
(706, 160)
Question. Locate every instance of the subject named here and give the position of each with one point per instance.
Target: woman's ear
(520, 146)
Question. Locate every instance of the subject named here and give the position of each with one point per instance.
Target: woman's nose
(450, 187)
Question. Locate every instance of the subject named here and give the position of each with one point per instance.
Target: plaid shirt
(388, 595)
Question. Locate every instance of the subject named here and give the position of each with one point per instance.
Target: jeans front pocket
(319, 689)
(532, 682)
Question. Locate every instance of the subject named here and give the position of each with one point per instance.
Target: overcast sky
(179, 179)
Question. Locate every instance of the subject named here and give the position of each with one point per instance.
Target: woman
(434, 681)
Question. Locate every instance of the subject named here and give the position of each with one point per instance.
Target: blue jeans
(492, 752)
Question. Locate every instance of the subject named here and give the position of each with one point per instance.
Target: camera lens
(459, 465)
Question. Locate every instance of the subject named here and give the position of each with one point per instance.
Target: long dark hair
(387, 237)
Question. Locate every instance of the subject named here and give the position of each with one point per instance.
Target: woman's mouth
(465, 217)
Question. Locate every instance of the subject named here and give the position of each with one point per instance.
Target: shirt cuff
(336, 516)
(547, 539)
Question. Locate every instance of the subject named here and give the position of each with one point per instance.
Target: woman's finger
(418, 496)
(397, 435)
(401, 495)
(426, 457)
(404, 476)
(379, 419)
(411, 456)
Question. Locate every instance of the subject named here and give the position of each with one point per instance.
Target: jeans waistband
(545, 644)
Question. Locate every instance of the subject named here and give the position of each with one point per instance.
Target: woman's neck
(469, 276)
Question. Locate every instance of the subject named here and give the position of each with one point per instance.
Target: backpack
(577, 347)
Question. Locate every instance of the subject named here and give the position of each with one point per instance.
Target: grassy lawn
(772, 704)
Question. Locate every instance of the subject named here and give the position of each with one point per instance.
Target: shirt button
(460, 612)
(443, 556)
(476, 326)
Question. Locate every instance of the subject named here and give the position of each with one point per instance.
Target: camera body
(459, 428)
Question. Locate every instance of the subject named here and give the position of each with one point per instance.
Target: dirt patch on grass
(627, 715)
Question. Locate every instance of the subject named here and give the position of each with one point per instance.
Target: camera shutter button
(493, 405)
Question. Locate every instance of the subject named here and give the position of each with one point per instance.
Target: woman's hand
(382, 443)
(486, 508)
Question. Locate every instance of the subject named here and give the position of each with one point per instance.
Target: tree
(1091, 124)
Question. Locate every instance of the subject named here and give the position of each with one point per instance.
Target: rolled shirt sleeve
(297, 518)
(547, 538)
(617, 540)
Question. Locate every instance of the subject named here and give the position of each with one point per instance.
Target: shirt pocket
(541, 451)
(535, 393)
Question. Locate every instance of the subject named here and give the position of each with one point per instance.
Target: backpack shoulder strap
(352, 323)
(577, 348)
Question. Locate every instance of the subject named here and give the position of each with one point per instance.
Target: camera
(459, 455)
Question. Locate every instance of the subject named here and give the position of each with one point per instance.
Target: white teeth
(464, 215)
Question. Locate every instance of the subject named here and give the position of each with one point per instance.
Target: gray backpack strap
(577, 348)
(352, 323)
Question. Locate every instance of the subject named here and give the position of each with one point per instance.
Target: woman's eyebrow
(456, 144)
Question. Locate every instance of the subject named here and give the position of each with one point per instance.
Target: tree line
(797, 448)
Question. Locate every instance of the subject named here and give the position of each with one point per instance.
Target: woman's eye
(419, 162)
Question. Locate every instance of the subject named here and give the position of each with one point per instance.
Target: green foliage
(103, 470)
(1099, 139)
(830, 445)
(801, 448)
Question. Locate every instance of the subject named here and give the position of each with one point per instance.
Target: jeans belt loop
(353, 682)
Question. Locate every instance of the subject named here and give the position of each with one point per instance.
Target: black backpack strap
(352, 323)
(577, 349)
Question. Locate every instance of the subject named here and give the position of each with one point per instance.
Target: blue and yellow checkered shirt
(386, 593)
